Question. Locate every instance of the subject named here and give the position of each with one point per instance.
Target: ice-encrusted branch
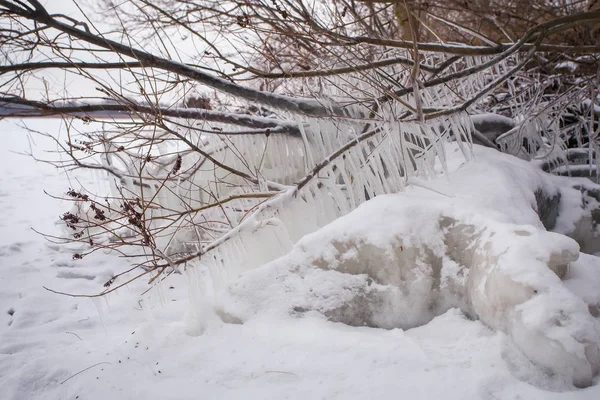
(552, 26)
(38, 108)
(32, 66)
(344, 70)
(538, 33)
(465, 50)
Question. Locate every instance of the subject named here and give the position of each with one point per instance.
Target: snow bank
(472, 240)
(58, 347)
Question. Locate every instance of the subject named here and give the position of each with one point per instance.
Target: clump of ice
(472, 240)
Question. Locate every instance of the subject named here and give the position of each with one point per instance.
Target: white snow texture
(479, 300)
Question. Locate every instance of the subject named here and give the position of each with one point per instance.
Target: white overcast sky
(65, 84)
(56, 84)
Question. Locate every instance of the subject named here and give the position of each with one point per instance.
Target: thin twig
(83, 370)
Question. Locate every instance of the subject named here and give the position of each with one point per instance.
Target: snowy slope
(140, 349)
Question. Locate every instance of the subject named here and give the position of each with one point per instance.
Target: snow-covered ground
(58, 347)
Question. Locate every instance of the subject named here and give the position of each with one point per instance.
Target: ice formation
(473, 240)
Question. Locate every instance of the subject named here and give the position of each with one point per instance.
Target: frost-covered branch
(39, 108)
(32, 66)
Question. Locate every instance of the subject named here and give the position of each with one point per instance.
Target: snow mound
(472, 240)
(583, 279)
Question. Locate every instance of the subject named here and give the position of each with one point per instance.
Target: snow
(583, 278)
(567, 65)
(474, 242)
(138, 346)
(492, 119)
